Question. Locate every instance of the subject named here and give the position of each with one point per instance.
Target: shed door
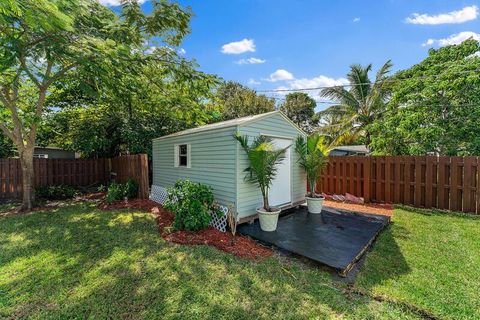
(280, 190)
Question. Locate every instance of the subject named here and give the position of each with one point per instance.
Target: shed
(54, 153)
(209, 154)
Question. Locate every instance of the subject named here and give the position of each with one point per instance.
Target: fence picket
(77, 172)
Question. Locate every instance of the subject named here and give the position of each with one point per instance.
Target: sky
(287, 44)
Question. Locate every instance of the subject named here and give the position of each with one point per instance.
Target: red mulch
(369, 208)
(239, 245)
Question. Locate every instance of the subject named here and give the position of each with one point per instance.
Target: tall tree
(362, 103)
(435, 106)
(153, 102)
(42, 42)
(237, 101)
(300, 108)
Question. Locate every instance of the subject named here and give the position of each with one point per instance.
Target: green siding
(212, 162)
(249, 196)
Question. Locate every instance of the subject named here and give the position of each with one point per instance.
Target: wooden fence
(75, 172)
(450, 183)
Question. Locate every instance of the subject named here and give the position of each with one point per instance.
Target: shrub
(60, 192)
(193, 205)
(131, 189)
(115, 192)
(118, 191)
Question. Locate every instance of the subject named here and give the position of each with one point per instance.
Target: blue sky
(313, 43)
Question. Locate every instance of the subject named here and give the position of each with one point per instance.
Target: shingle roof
(224, 124)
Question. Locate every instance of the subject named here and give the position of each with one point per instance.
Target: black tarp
(334, 238)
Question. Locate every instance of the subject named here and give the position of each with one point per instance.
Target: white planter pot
(315, 204)
(268, 220)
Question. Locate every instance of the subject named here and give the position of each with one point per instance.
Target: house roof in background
(355, 148)
(229, 123)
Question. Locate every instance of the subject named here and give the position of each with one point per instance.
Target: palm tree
(312, 157)
(264, 159)
(362, 103)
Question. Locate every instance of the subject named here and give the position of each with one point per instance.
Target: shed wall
(212, 158)
(249, 196)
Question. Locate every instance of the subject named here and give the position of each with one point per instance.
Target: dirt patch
(239, 245)
(142, 204)
(369, 208)
(17, 212)
(92, 196)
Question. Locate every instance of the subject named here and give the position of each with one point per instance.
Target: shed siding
(212, 162)
(249, 196)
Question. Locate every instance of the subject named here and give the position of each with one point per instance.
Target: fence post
(366, 178)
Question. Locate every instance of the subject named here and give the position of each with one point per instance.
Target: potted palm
(264, 159)
(312, 157)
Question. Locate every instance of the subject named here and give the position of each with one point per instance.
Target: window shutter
(189, 162)
(175, 155)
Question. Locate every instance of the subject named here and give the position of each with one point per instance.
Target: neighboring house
(210, 155)
(54, 153)
(358, 150)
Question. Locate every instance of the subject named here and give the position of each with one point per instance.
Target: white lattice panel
(158, 194)
(220, 223)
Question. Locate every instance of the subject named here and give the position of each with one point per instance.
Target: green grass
(78, 262)
(430, 260)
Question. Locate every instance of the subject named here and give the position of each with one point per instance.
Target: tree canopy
(300, 108)
(235, 100)
(43, 42)
(435, 106)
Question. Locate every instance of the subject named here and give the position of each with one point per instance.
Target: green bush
(193, 205)
(131, 189)
(60, 192)
(118, 191)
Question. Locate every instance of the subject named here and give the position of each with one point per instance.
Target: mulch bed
(369, 208)
(239, 245)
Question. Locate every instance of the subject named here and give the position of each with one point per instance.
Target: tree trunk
(26, 162)
(368, 138)
(266, 205)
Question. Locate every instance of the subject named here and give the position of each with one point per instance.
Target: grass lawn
(79, 262)
(429, 260)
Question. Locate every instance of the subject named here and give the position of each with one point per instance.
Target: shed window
(182, 155)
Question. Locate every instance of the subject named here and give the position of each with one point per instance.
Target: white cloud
(453, 39)
(116, 3)
(459, 16)
(315, 82)
(251, 60)
(280, 75)
(253, 82)
(237, 47)
(182, 51)
(356, 19)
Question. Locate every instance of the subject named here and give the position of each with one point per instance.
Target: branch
(59, 74)
(7, 132)
(16, 132)
(29, 73)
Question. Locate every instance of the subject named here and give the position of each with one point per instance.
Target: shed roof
(229, 123)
